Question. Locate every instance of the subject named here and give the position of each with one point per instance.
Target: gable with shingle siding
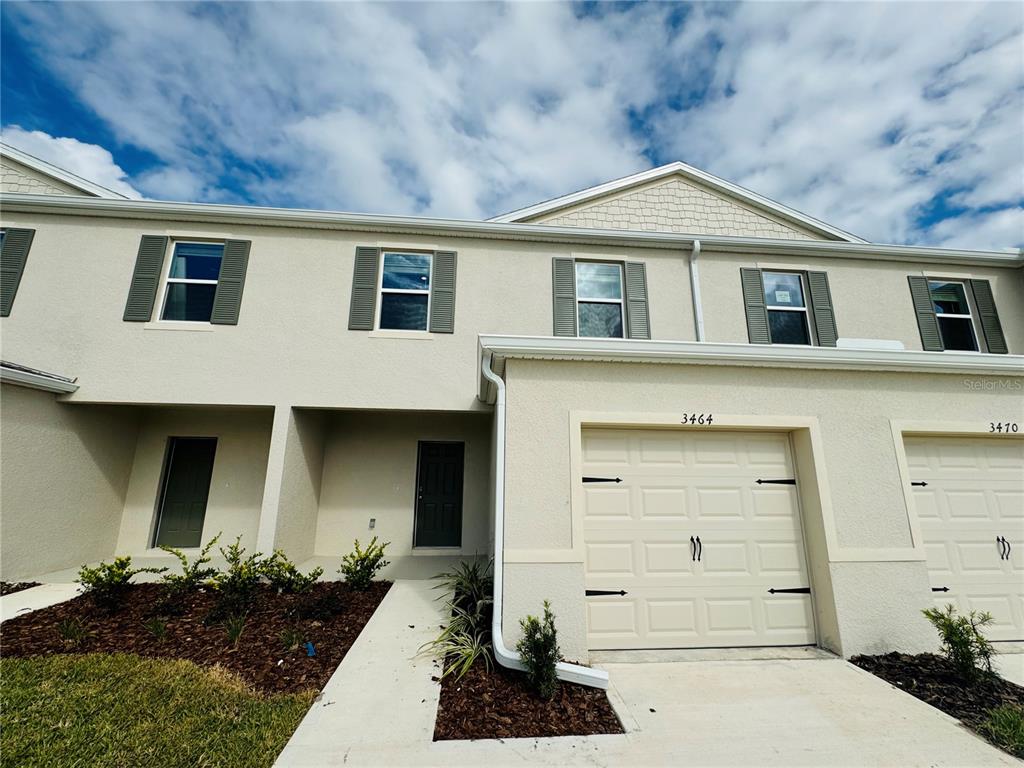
(675, 205)
(15, 177)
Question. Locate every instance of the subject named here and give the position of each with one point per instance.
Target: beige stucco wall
(369, 470)
(876, 601)
(871, 298)
(676, 205)
(18, 177)
(292, 344)
(65, 474)
(236, 487)
(298, 503)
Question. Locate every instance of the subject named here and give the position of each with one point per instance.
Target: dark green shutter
(442, 293)
(988, 317)
(145, 279)
(821, 306)
(931, 339)
(363, 306)
(12, 264)
(638, 320)
(563, 279)
(753, 302)
(227, 301)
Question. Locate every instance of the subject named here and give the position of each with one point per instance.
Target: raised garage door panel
(974, 494)
(677, 484)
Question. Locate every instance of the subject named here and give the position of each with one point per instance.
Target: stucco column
(267, 531)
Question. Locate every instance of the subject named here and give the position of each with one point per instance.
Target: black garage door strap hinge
(593, 592)
(602, 479)
(920, 484)
(940, 589)
(790, 481)
(794, 591)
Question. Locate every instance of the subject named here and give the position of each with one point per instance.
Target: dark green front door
(439, 495)
(185, 491)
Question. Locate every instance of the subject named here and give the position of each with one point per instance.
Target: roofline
(22, 376)
(502, 348)
(414, 225)
(734, 190)
(60, 174)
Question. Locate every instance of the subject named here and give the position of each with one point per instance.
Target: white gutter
(573, 673)
(192, 213)
(36, 380)
(758, 355)
(698, 308)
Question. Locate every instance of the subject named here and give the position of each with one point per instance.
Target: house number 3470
(696, 418)
(1003, 426)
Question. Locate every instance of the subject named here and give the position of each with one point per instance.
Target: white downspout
(698, 308)
(573, 673)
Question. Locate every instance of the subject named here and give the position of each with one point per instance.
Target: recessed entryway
(692, 539)
(969, 498)
(185, 490)
(439, 476)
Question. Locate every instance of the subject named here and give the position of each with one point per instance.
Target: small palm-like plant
(963, 643)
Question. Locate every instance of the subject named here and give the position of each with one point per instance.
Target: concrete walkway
(379, 707)
(35, 598)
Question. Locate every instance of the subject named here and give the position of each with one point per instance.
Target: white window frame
(168, 280)
(776, 308)
(381, 290)
(969, 316)
(621, 301)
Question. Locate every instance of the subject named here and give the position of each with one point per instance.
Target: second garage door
(969, 497)
(684, 548)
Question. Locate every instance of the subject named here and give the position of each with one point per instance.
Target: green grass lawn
(123, 710)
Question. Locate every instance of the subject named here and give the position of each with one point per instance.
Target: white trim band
(36, 380)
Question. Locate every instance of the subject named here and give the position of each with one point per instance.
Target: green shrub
(72, 631)
(234, 625)
(466, 637)
(285, 577)
(361, 565)
(237, 584)
(107, 581)
(963, 643)
(157, 627)
(538, 650)
(1005, 728)
(192, 575)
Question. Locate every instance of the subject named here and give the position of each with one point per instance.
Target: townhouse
(686, 414)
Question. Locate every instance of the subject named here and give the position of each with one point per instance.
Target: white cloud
(862, 114)
(91, 162)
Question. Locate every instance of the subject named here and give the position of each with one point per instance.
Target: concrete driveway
(379, 707)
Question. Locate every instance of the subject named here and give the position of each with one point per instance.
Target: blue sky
(900, 122)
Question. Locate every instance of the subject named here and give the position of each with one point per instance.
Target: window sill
(419, 335)
(435, 551)
(177, 325)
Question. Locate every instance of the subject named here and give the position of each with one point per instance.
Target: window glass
(602, 320)
(948, 298)
(783, 290)
(598, 281)
(958, 333)
(407, 271)
(189, 301)
(403, 311)
(196, 261)
(788, 327)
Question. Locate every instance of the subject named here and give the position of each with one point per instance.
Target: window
(192, 281)
(599, 300)
(953, 312)
(787, 310)
(405, 291)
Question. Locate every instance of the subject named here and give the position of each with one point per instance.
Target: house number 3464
(696, 418)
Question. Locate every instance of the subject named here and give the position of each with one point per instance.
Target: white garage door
(677, 521)
(969, 498)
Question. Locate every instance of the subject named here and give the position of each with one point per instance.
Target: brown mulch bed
(498, 705)
(10, 587)
(261, 657)
(932, 679)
